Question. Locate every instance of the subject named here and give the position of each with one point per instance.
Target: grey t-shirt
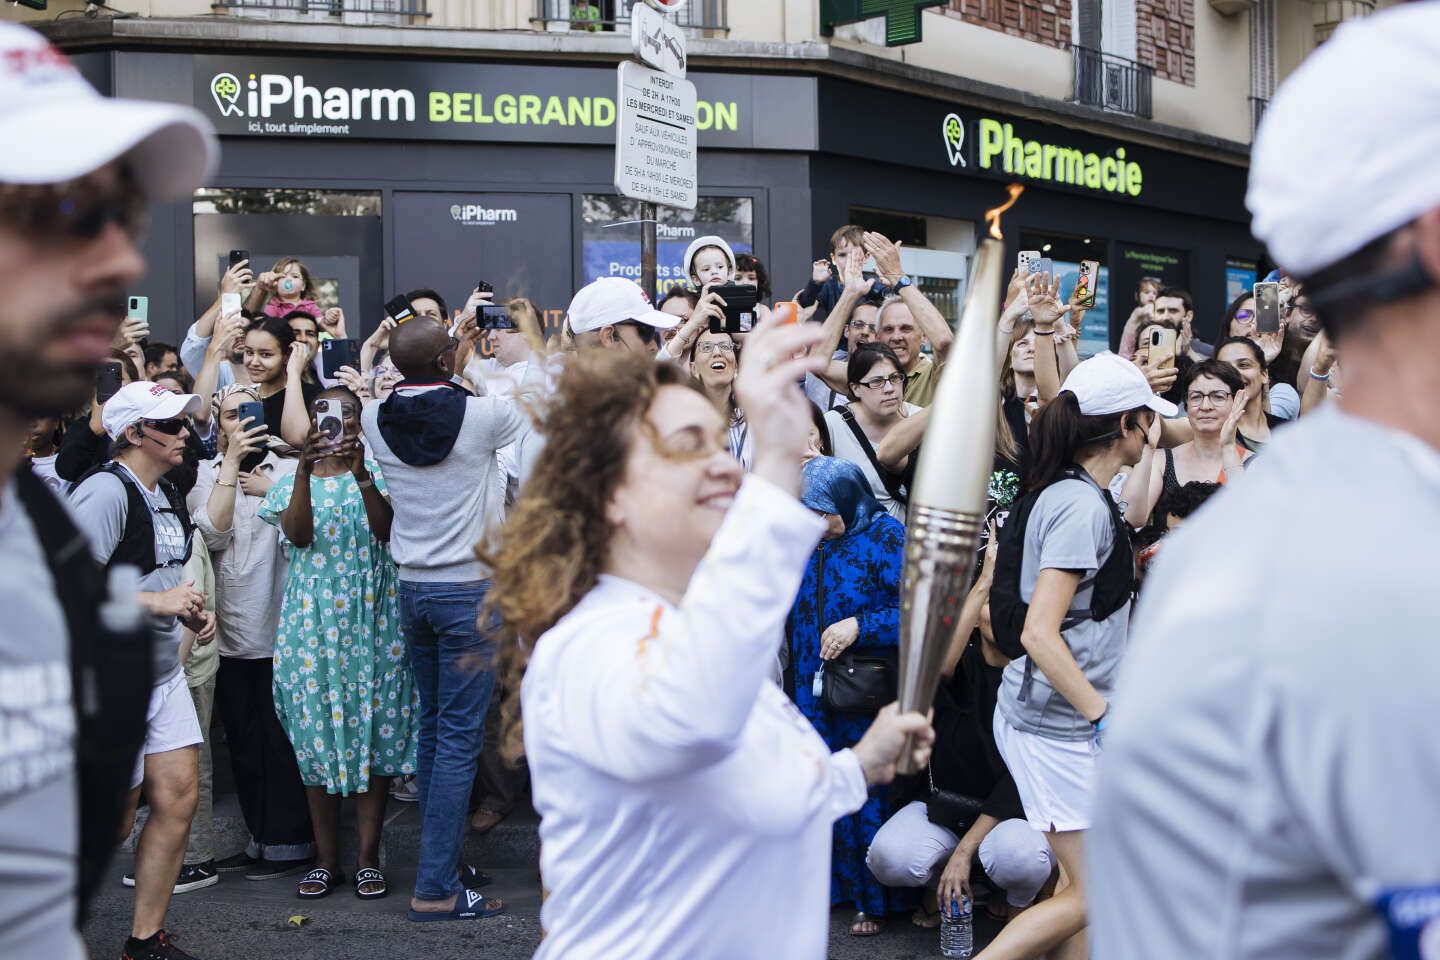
(1273, 767)
(100, 505)
(1070, 528)
(39, 814)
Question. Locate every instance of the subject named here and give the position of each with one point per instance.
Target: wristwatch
(903, 282)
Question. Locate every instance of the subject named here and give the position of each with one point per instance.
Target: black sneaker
(273, 869)
(193, 876)
(236, 861)
(158, 947)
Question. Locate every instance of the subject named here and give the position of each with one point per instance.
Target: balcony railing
(340, 11)
(698, 17)
(1112, 83)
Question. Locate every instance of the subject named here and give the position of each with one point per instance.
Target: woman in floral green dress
(343, 687)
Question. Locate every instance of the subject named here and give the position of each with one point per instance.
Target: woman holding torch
(686, 804)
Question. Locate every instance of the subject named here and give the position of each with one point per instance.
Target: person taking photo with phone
(251, 567)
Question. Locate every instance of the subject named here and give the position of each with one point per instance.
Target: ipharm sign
(418, 100)
(474, 215)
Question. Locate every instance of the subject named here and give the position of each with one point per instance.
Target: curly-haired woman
(686, 805)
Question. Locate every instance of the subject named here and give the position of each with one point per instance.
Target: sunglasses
(169, 427)
(451, 344)
(77, 210)
(647, 333)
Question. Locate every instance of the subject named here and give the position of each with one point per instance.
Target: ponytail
(1059, 432)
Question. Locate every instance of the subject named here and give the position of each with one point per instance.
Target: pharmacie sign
(994, 147)
(284, 97)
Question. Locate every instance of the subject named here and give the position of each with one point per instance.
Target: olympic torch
(947, 499)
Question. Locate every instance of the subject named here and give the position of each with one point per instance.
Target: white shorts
(171, 723)
(1055, 777)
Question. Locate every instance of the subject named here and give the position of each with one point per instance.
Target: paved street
(241, 920)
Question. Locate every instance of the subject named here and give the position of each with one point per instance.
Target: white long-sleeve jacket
(686, 803)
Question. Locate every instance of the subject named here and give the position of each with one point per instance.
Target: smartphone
(484, 287)
(1267, 307)
(495, 318)
(229, 303)
(107, 382)
(1044, 265)
(739, 309)
(785, 311)
(1026, 258)
(1160, 346)
(1086, 283)
(239, 256)
(138, 308)
(255, 410)
(335, 354)
(329, 421)
(399, 310)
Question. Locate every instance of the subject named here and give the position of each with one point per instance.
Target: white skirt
(1055, 777)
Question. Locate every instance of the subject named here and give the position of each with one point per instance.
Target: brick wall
(1043, 21)
(1165, 38)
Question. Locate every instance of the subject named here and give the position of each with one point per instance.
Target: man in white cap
(1271, 784)
(134, 516)
(614, 313)
(75, 176)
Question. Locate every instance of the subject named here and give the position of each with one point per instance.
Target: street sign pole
(648, 251)
(655, 157)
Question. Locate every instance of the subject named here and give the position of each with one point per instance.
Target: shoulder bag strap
(892, 484)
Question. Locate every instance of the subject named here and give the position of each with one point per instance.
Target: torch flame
(992, 216)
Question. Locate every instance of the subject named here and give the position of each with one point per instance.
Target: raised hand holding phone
(236, 277)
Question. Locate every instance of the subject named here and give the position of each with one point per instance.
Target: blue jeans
(453, 666)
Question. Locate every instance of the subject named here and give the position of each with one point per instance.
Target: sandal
(370, 875)
(925, 918)
(324, 878)
(469, 905)
(863, 918)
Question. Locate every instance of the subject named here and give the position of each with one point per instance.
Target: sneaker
(193, 876)
(158, 947)
(274, 869)
(236, 861)
(405, 789)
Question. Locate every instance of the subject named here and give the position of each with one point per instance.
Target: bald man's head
(417, 348)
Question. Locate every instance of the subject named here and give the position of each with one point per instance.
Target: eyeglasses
(723, 346)
(77, 210)
(646, 332)
(876, 383)
(1303, 308)
(1216, 398)
(858, 325)
(1243, 315)
(171, 427)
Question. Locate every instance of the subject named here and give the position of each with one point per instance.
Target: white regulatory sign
(655, 155)
(657, 40)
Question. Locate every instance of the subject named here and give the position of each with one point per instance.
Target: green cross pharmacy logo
(902, 17)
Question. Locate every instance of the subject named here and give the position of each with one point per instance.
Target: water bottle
(957, 934)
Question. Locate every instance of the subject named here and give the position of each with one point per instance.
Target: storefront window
(336, 234)
(1240, 277)
(611, 235)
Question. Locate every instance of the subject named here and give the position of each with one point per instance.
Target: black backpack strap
(110, 677)
(892, 483)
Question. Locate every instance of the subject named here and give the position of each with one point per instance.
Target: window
(611, 235)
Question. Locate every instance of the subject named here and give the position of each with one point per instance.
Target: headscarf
(832, 485)
(273, 443)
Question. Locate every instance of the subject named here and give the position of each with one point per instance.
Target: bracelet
(222, 483)
(365, 484)
(1322, 377)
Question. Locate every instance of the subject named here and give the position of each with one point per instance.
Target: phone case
(1043, 265)
(1026, 261)
(1160, 344)
(138, 308)
(1267, 307)
(1085, 284)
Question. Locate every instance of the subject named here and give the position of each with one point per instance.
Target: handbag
(858, 683)
(953, 811)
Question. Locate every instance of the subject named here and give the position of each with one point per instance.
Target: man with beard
(73, 691)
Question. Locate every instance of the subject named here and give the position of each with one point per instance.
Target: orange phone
(786, 311)
(1159, 345)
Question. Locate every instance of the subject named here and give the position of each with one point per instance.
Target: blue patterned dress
(343, 687)
(857, 575)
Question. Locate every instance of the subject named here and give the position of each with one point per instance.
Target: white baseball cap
(700, 243)
(1107, 384)
(56, 127)
(1347, 150)
(143, 400)
(611, 300)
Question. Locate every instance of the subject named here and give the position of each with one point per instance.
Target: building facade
(395, 144)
